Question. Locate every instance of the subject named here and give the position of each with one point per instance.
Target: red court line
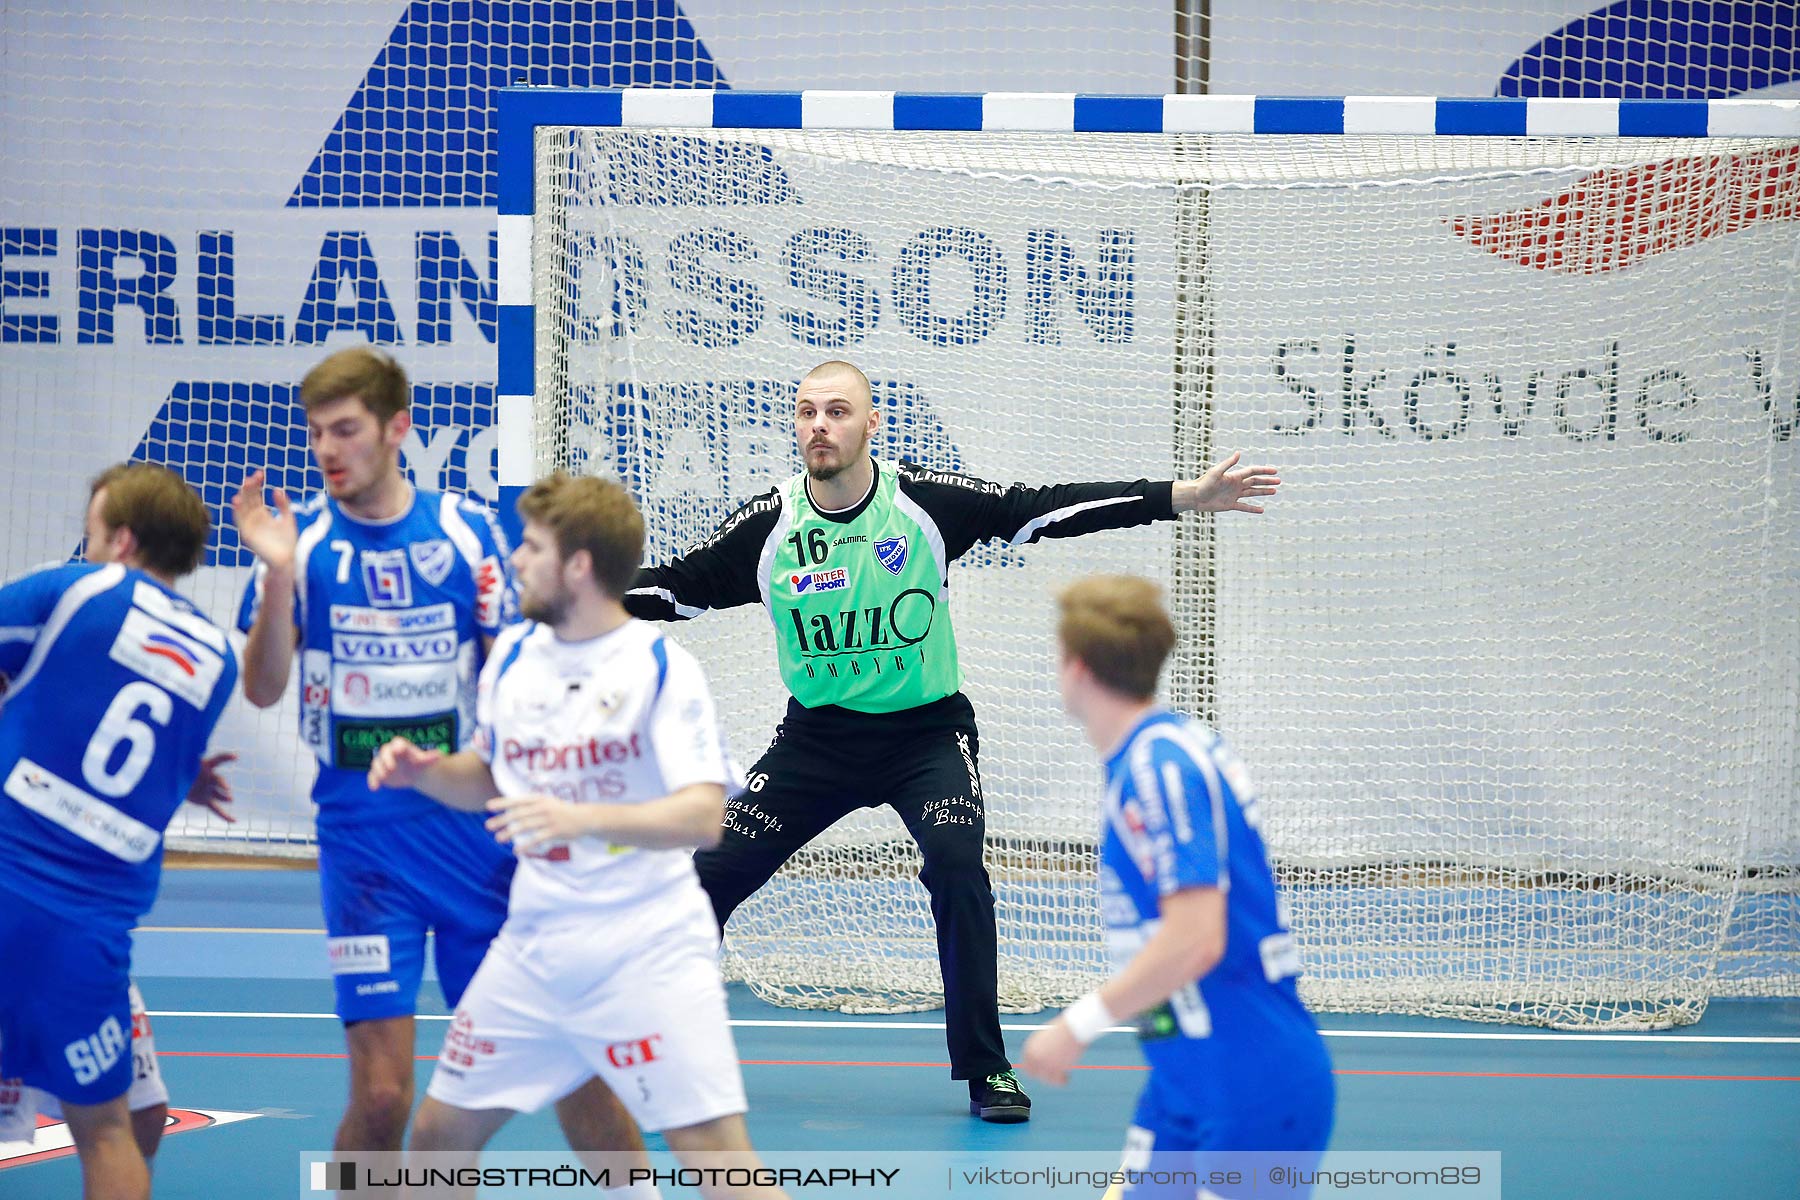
(1572, 1075)
(823, 1062)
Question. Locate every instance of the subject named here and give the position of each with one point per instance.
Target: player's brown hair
(596, 515)
(1117, 627)
(369, 375)
(164, 514)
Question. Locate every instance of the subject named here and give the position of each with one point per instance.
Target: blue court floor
(231, 965)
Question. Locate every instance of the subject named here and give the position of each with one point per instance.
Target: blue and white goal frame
(520, 111)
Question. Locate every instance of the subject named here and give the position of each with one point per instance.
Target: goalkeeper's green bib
(861, 612)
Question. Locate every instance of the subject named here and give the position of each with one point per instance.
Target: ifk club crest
(891, 553)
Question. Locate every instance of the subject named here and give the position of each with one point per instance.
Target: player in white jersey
(599, 755)
(388, 597)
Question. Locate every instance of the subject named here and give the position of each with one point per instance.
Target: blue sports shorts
(384, 884)
(65, 1001)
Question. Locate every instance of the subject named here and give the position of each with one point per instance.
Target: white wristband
(1087, 1018)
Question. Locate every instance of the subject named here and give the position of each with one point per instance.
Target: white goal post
(1515, 655)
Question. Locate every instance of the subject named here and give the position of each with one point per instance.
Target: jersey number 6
(120, 724)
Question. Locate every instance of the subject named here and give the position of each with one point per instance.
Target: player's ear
(579, 565)
(398, 426)
(122, 545)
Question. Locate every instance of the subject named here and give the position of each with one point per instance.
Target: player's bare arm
(1226, 487)
(1185, 947)
(271, 534)
(461, 780)
(688, 818)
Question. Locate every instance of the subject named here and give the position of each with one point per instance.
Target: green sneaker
(999, 1098)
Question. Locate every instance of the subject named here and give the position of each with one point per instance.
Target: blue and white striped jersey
(1181, 812)
(115, 684)
(391, 618)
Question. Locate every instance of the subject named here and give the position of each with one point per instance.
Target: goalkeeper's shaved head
(845, 375)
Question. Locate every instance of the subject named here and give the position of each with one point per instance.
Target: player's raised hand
(535, 820)
(271, 535)
(211, 790)
(399, 764)
(1226, 487)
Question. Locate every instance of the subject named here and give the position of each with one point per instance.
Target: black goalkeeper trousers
(827, 762)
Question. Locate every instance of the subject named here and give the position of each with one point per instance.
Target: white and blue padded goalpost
(1514, 656)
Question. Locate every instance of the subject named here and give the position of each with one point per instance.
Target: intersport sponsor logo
(350, 618)
(833, 580)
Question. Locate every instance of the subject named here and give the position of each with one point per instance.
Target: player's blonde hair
(596, 515)
(164, 513)
(367, 374)
(1116, 626)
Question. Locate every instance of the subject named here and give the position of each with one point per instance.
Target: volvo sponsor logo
(354, 648)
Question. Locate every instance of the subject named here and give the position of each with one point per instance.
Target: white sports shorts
(551, 1007)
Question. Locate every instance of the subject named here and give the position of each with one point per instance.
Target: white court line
(1401, 1035)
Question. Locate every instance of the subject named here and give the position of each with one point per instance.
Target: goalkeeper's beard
(827, 474)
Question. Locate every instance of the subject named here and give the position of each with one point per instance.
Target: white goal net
(1513, 656)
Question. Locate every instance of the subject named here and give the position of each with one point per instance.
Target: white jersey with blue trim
(1181, 812)
(619, 719)
(392, 616)
(114, 686)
